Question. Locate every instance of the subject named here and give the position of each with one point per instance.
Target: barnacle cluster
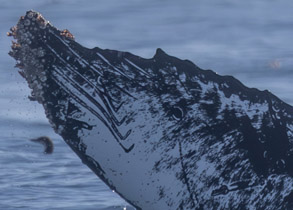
(29, 53)
(66, 33)
(34, 49)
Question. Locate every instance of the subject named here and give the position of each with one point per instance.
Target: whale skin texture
(161, 132)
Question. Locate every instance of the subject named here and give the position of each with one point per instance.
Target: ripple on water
(30, 179)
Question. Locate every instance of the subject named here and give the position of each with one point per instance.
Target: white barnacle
(41, 66)
(60, 129)
(43, 79)
(34, 51)
(35, 84)
(173, 69)
(182, 77)
(40, 52)
(29, 35)
(261, 140)
(265, 154)
(27, 22)
(23, 36)
(20, 31)
(42, 73)
(30, 15)
(33, 77)
(42, 26)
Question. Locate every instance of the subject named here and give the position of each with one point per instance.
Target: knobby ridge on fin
(159, 52)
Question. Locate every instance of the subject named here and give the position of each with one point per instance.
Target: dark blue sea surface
(251, 40)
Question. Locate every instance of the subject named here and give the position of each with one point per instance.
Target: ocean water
(250, 40)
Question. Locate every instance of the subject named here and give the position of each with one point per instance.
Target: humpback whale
(161, 132)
